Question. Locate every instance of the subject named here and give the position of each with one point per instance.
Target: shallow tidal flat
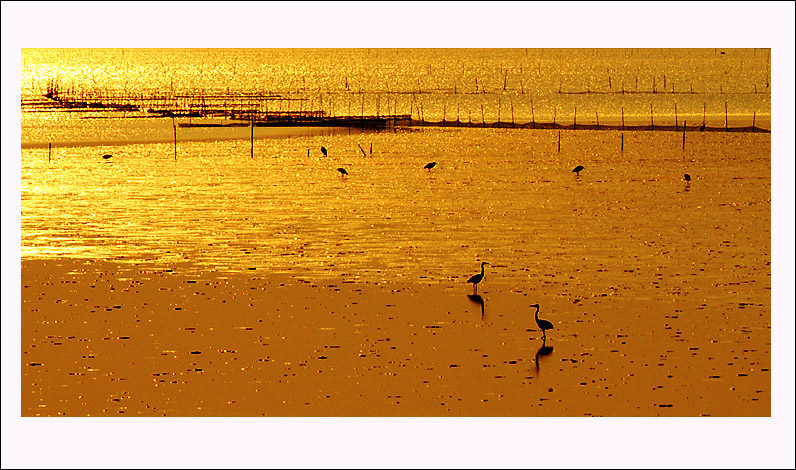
(105, 339)
(273, 286)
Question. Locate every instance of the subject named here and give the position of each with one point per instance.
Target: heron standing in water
(543, 325)
(475, 279)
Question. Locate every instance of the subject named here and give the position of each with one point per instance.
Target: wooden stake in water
(652, 118)
(559, 141)
(252, 138)
(575, 119)
(675, 116)
(684, 122)
(754, 115)
(725, 117)
(598, 120)
(623, 142)
(483, 121)
(50, 153)
(174, 126)
(623, 118)
(512, 115)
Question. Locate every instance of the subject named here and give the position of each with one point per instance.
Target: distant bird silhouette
(543, 325)
(475, 279)
(342, 171)
(687, 177)
(323, 151)
(430, 165)
(702, 127)
(107, 156)
(577, 169)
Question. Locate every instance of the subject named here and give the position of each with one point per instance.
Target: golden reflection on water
(507, 197)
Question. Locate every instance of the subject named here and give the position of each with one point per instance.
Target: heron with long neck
(475, 279)
(543, 325)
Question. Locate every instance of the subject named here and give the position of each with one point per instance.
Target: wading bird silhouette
(342, 171)
(475, 279)
(429, 166)
(543, 325)
(577, 169)
(323, 151)
(687, 177)
(107, 156)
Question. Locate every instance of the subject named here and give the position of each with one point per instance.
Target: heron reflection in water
(479, 300)
(544, 350)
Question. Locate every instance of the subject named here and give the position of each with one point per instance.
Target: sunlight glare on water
(506, 196)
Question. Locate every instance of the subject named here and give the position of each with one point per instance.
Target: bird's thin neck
(536, 315)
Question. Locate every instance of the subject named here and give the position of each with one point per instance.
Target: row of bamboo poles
(273, 109)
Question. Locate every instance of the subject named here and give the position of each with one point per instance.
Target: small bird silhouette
(430, 165)
(323, 151)
(577, 169)
(342, 171)
(687, 177)
(107, 156)
(475, 279)
(543, 325)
